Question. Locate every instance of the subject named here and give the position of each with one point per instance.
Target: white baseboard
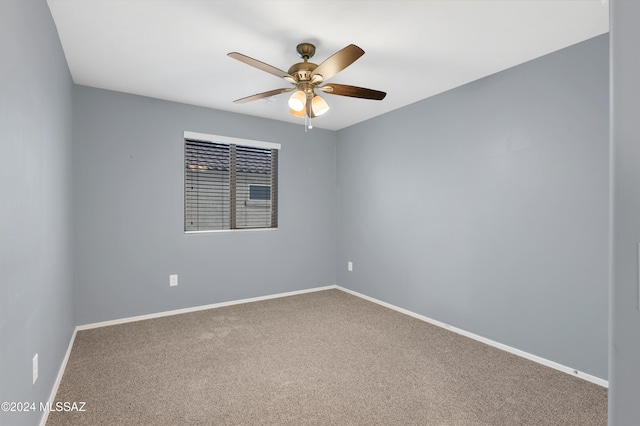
(200, 308)
(56, 384)
(523, 354)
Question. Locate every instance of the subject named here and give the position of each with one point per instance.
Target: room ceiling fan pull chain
(307, 123)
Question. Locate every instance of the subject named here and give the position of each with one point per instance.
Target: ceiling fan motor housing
(302, 70)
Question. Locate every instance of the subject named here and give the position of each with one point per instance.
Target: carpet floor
(323, 358)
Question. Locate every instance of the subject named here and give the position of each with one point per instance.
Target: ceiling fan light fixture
(319, 105)
(297, 101)
(296, 113)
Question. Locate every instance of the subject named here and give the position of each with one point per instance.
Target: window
(260, 192)
(229, 183)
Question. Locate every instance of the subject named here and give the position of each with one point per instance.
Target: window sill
(216, 231)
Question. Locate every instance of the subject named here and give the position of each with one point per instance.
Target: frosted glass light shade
(319, 105)
(296, 113)
(297, 101)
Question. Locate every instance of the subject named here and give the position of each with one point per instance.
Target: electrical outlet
(173, 280)
(34, 365)
(350, 266)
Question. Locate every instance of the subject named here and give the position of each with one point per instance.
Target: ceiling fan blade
(353, 91)
(263, 95)
(338, 61)
(261, 66)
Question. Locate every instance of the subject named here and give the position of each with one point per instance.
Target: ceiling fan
(306, 77)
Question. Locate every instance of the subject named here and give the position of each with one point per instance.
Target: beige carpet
(324, 358)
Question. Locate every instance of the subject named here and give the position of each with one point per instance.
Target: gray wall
(36, 310)
(128, 187)
(624, 355)
(485, 207)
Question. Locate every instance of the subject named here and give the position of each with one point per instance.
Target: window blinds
(220, 179)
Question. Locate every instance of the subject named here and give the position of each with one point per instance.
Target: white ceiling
(176, 49)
